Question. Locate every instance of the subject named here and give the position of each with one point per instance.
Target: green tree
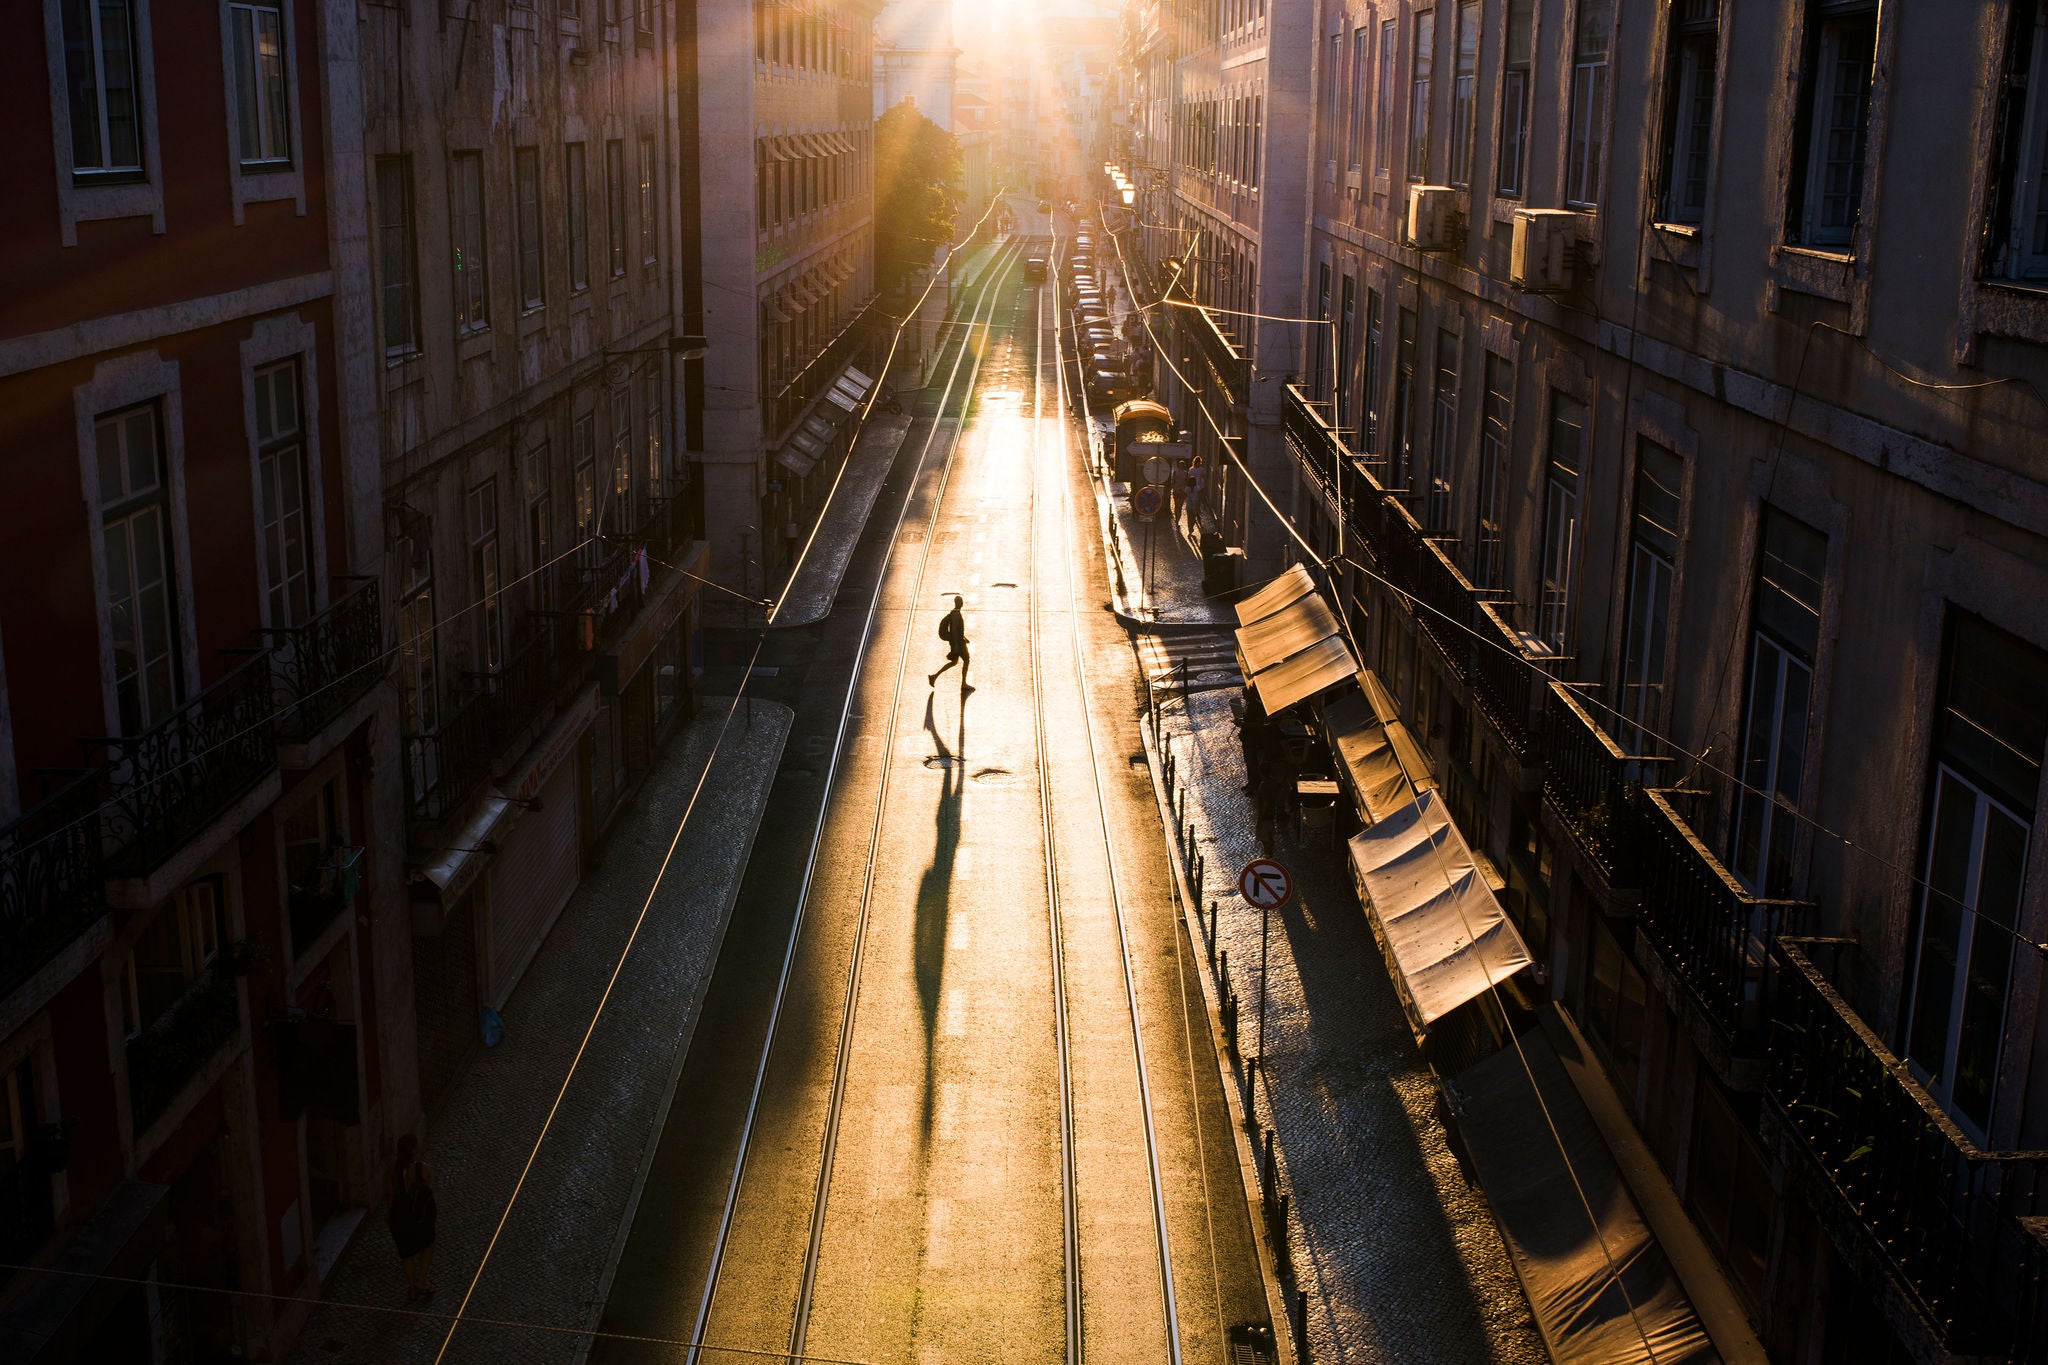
(917, 177)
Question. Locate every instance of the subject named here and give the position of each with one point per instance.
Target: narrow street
(965, 1108)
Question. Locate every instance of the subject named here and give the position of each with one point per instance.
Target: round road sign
(1265, 883)
(1158, 469)
(1147, 501)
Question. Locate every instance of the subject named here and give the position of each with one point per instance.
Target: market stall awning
(1283, 591)
(1373, 755)
(1447, 938)
(1323, 664)
(1285, 633)
(1599, 1282)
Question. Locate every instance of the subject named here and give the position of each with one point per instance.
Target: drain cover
(939, 761)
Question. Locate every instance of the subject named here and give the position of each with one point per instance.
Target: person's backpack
(946, 628)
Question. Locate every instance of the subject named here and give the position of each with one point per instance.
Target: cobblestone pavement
(810, 593)
(546, 1270)
(1399, 1254)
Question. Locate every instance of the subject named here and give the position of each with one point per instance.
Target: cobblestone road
(547, 1268)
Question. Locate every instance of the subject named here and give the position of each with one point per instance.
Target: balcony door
(1989, 739)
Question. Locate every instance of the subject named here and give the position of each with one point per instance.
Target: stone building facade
(1682, 412)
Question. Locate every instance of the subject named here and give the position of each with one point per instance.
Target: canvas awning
(1299, 677)
(1599, 1281)
(1285, 590)
(1446, 937)
(1373, 760)
(1285, 633)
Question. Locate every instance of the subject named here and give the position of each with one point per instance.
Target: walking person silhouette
(953, 630)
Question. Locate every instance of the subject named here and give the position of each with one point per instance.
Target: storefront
(645, 686)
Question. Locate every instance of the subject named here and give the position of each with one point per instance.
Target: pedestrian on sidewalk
(1198, 479)
(412, 1216)
(1177, 490)
(953, 630)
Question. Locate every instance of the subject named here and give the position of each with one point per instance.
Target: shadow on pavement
(934, 889)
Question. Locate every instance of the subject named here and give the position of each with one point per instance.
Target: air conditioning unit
(1434, 222)
(1545, 244)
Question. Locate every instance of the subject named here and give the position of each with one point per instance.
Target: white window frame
(2019, 263)
(1464, 94)
(459, 286)
(1772, 663)
(285, 337)
(1819, 97)
(259, 182)
(1688, 79)
(1589, 117)
(89, 196)
(1512, 109)
(125, 382)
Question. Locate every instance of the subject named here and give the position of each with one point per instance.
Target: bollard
(1212, 933)
(1201, 868)
(1267, 1170)
(1301, 1327)
(1280, 1251)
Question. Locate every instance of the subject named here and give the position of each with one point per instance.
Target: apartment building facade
(529, 189)
(788, 266)
(203, 924)
(1680, 420)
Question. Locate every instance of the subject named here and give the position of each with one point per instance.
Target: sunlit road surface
(939, 1231)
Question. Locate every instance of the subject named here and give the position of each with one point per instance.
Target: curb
(675, 1074)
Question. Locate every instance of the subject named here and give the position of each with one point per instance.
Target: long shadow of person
(934, 891)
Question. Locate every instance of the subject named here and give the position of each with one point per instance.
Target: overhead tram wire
(1589, 699)
(1493, 991)
(713, 1271)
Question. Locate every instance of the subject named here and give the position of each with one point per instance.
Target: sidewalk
(809, 596)
(1399, 1255)
(550, 1262)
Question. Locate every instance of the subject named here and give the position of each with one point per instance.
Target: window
(1988, 741)
(1324, 345)
(1616, 1007)
(101, 69)
(1383, 130)
(615, 205)
(649, 217)
(1791, 563)
(1370, 380)
(1516, 74)
(1689, 109)
(1560, 518)
(135, 526)
(1404, 394)
(480, 515)
(311, 832)
(416, 651)
(1347, 320)
(27, 1213)
(1333, 83)
(1587, 149)
(1833, 121)
(584, 435)
(1443, 435)
(1464, 93)
(262, 109)
(397, 263)
(1420, 69)
(537, 476)
(1653, 553)
(2016, 237)
(622, 455)
(1360, 44)
(173, 952)
(281, 470)
(578, 203)
(466, 221)
(650, 403)
(526, 187)
(1496, 422)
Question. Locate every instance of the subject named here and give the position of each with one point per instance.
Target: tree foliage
(917, 177)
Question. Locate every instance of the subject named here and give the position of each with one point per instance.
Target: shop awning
(794, 460)
(1285, 590)
(1285, 633)
(1323, 664)
(1371, 757)
(453, 868)
(1601, 1285)
(1446, 936)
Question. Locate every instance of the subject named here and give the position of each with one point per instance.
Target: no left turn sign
(1265, 883)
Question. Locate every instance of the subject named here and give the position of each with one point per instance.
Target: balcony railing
(1587, 781)
(1504, 679)
(1223, 357)
(325, 892)
(788, 402)
(1941, 1212)
(167, 1054)
(1713, 935)
(446, 763)
(323, 666)
(51, 879)
(1447, 605)
(170, 782)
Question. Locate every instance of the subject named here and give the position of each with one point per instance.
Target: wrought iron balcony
(167, 784)
(171, 1051)
(1587, 782)
(1226, 362)
(1944, 1215)
(1713, 935)
(52, 884)
(446, 764)
(1504, 679)
(323, 666)
(1446, 605)
(323, 894)
(788, 402)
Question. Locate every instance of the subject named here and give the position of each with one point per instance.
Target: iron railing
(52, 886)
(447, 762)
(1713, 935)
(1504, 679)
(788, 403)
(325, 665)
(1226, 362)
(1587, 781)
(166, 784)
(1446, 605)
(1950, 1219)
(168, 1053)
